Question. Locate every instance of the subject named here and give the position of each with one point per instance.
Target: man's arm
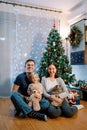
(14, 88)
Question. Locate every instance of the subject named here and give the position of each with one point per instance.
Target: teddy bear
(58, 92)
(35, 91)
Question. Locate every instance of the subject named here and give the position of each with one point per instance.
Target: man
(19, 94)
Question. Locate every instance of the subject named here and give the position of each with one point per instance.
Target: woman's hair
(29, 60)
(56, 75)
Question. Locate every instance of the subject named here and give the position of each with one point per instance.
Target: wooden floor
(9, 122)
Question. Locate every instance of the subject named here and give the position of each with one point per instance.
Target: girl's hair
(31, 75)
(56, 75)
(29, 60)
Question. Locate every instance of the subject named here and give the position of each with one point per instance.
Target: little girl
(35, 91)
(34, 79)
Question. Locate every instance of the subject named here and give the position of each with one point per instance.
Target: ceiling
(72, 8)
(66, 6)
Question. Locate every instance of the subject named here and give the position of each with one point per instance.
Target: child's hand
(27, 98)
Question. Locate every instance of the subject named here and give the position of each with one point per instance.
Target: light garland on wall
(31, 28)
(31, 32)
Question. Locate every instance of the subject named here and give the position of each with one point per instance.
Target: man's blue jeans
(22, 106)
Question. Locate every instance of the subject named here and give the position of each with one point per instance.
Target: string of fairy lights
(31, 29)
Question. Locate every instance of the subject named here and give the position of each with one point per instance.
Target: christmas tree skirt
(79, 106)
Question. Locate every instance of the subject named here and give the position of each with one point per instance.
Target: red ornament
(64, 70)
(49, 48)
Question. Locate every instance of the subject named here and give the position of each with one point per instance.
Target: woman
(49, 82)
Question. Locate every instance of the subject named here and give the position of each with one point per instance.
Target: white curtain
(23, 35)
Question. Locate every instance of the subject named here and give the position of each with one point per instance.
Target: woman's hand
(59, 100)
(52, 97)
(56, 99)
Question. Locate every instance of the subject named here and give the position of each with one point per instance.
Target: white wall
(80, 71)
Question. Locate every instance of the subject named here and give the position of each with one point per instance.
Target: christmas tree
(54, 52)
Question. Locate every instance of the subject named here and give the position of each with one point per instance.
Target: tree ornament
(49, 48)
(54, 50)
(65, 80)
(48, 55)
(60, 43)
(53, 43)
(56, 56)
(44, 62)
(64, 70)
(75, 36)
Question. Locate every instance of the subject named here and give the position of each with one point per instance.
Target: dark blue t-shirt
(23, 82)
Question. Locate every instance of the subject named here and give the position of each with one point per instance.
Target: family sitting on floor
(50, 98)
